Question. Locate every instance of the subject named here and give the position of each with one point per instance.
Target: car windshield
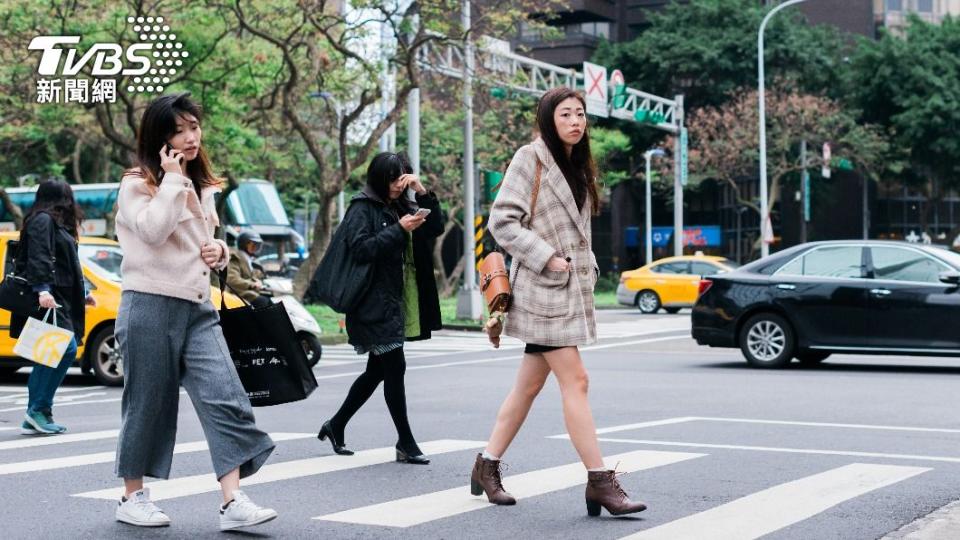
(102, 259)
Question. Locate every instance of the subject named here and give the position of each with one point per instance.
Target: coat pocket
(543, 295)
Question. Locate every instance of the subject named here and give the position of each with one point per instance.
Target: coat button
(186, 184)
(204, 273)
(583, 244)
(199, 297)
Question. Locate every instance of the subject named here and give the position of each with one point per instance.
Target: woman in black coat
(396, 235)
(48, 260)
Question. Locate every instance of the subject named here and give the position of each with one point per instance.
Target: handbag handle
(47, 315)
(222, 275)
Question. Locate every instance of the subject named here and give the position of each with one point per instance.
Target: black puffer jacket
(35, 262)
(375, 235)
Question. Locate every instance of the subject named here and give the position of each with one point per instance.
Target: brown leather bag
(494, 279)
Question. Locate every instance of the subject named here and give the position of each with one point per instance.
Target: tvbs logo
(107, 57)
(145, 65)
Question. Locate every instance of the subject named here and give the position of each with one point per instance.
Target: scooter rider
(241, 275)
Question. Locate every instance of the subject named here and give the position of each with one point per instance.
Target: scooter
(280, 290)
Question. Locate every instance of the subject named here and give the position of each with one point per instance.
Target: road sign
(683, 156)
(595, 82)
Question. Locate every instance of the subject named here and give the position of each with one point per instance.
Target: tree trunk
(441, 270)
(322, 229)
(77, 151)
(12, 209)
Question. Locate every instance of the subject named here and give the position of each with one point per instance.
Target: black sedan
(855, 297)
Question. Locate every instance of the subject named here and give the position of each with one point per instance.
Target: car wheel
(105, 358)
(311, 346)
(766, 341)
(812, 358)
(672, 310)
(648, 302)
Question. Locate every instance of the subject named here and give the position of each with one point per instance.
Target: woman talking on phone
(395, 234)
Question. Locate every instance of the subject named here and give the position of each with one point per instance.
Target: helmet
(248, 236)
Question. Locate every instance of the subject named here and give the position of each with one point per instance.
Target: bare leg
(229, 483)
(530, 378)
(131, 485)
(572, 377)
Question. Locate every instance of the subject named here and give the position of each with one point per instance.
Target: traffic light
(491, 182)
(498, 92)
(619, 96)
(645, 116)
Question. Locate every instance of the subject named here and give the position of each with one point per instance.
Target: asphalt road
(853, 449)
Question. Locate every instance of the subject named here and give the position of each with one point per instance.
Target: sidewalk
(941, 524)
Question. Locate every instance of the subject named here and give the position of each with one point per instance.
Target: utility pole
(678, 183)
(764, 211)
(804, 192)
(648, 209)
(468, 300)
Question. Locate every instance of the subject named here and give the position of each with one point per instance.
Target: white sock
(488, 456)
(601, 469)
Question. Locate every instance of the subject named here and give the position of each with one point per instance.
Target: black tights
(389, 368)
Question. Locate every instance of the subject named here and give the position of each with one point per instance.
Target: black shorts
(533, 348)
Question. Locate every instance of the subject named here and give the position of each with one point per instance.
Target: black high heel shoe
(404, 457)
(338, 447)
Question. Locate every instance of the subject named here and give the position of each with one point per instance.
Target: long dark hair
(55, 198)
(579, 168)
(384, 168)
(159, 125)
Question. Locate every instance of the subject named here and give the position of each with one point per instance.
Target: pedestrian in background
(167, 328)
(242, 277)
(49, 261)
(395, 235)
(553, 274)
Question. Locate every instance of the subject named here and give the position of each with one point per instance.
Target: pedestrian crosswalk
(770, 508)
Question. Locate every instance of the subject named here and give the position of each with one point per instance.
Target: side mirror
(951, 277)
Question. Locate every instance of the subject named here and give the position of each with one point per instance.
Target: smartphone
(423, 212)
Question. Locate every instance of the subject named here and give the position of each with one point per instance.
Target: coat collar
(553, 177)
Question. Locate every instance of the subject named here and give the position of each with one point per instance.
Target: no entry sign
(595, 83)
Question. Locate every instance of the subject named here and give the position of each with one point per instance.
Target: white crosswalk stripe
(108, 457)
(206, 483)
(772, 509)
(59, 439)
(441, 504)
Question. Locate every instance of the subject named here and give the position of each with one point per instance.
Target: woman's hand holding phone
(170, 159)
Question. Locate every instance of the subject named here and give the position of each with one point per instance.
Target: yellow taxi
(671, 283)
(100, 259)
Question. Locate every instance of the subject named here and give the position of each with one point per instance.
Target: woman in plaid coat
(542, 218)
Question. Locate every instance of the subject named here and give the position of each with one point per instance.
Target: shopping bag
(270, 361)
(42, 342)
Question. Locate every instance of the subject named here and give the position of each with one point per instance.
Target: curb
(941, 524)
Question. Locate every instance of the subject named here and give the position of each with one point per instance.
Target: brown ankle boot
(486, 478)
(603, 489)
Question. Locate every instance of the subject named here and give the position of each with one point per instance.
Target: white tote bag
(42, 342)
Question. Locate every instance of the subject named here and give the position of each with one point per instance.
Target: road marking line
(814, 451)
(67, 404)
(107, 457)
(500, 359)
(826, 424)
(47, 440)
(301, 468)
(628, 427)
(772, 509)
(640, 425)
(420, 509)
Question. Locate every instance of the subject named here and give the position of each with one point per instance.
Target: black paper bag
(271, 363)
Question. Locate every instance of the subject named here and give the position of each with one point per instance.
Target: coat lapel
(553, 177)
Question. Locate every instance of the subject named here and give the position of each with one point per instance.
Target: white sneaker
(242, 512)
(138, 510)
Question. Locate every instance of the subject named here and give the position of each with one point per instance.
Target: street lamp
(658, 152)
(764, 211)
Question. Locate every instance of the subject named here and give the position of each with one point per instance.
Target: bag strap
(47, 315)
(536, 191)
(222, 275)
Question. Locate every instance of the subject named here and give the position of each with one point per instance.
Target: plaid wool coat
(549, 308)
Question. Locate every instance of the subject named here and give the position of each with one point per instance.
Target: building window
(894, 5)
(598, 29)
(925, 6)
